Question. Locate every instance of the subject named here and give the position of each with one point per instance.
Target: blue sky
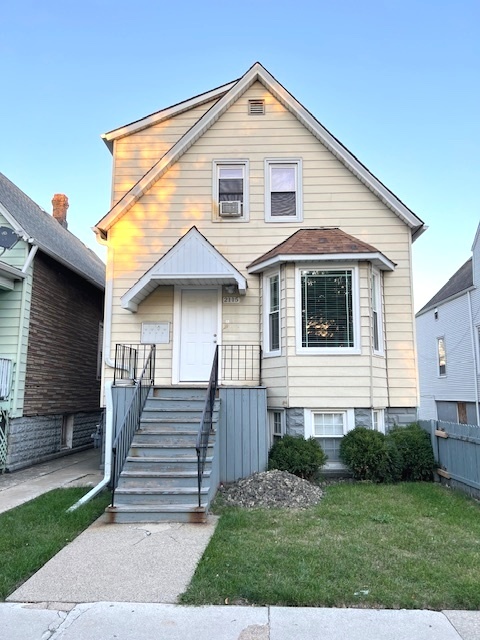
(397, 81)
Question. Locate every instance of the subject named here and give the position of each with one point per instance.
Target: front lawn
(411, 545)
(34, 532)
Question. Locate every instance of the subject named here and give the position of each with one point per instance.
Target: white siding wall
(332, 196)
(459, 382)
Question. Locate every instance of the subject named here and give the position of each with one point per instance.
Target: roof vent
(256, 107)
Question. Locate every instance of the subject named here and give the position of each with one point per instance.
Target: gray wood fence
(243, 438)
(456, 448)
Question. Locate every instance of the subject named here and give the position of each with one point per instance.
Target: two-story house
(448, 330)
(51, 315)
(239, 221)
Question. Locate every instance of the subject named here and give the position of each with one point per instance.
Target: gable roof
(165, 114)
(258, 73)
(460, 282)
(35, 225)
(192, 260)
(321, 244)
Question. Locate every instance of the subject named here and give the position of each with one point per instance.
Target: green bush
(415, 448)
(303, 458)
(370, 455)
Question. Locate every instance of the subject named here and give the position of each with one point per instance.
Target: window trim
(439, 364)
(297, 163)
(271, 422)
(356, 349)
(381, 420)
(376, 283)
(231, 162)
(267, 352)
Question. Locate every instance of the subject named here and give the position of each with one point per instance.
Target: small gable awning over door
(191, 261)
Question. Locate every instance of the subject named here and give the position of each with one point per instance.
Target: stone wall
(36, 439)
(400, 416)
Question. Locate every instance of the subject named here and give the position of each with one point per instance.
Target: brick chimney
(60, 206)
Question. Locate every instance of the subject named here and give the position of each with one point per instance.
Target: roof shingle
(50, 236)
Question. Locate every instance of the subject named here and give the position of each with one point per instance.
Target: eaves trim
(378, 259)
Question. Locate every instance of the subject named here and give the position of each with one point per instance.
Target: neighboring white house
(448, 332)
(237, 219)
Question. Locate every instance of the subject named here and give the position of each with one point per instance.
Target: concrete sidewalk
(77, 469)
(135, 621)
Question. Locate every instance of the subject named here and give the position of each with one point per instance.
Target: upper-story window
(327, 311)
(230, 189)
(283, 190)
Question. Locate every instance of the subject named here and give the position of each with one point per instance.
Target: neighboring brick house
(51, 309)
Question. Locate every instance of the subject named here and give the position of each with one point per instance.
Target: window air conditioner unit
(230, 208)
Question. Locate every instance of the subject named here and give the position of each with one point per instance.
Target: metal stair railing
(206, 424)
(131, 422)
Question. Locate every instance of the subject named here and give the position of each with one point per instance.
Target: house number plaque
(231, 299)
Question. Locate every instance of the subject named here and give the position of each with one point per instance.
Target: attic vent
(256, 107)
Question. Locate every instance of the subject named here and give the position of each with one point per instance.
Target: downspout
(107, 333)
(370, 307)
(474, 354)
(23, 304)
(108, 451)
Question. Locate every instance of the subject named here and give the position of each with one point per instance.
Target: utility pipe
(474, 355)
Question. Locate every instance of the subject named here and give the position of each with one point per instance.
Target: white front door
(198, 333)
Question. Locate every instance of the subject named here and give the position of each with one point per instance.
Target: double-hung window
(272, 319)
(283, 190)
(230, 189)
(327, 310)
(329, 427)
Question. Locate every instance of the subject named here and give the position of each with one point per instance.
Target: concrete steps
(159, 479)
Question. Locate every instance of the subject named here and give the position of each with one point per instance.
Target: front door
(198, 333)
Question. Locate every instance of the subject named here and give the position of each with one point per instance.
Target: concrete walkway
(78, 469)
(119, 582)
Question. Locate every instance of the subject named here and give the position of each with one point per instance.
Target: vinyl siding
(332, 197)
(14, 325)
(459, 382)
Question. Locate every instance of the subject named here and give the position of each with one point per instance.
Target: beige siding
(135, 154)
(332, 197)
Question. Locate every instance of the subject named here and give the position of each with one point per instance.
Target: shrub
(415, 448)
(370, 455)
(303, 458)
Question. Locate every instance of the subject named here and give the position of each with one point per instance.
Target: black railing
(241, 363)
(131, 421)
(130, 359)
(206, 424)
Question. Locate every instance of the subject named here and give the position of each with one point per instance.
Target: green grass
(412, 545)
(35, 531)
